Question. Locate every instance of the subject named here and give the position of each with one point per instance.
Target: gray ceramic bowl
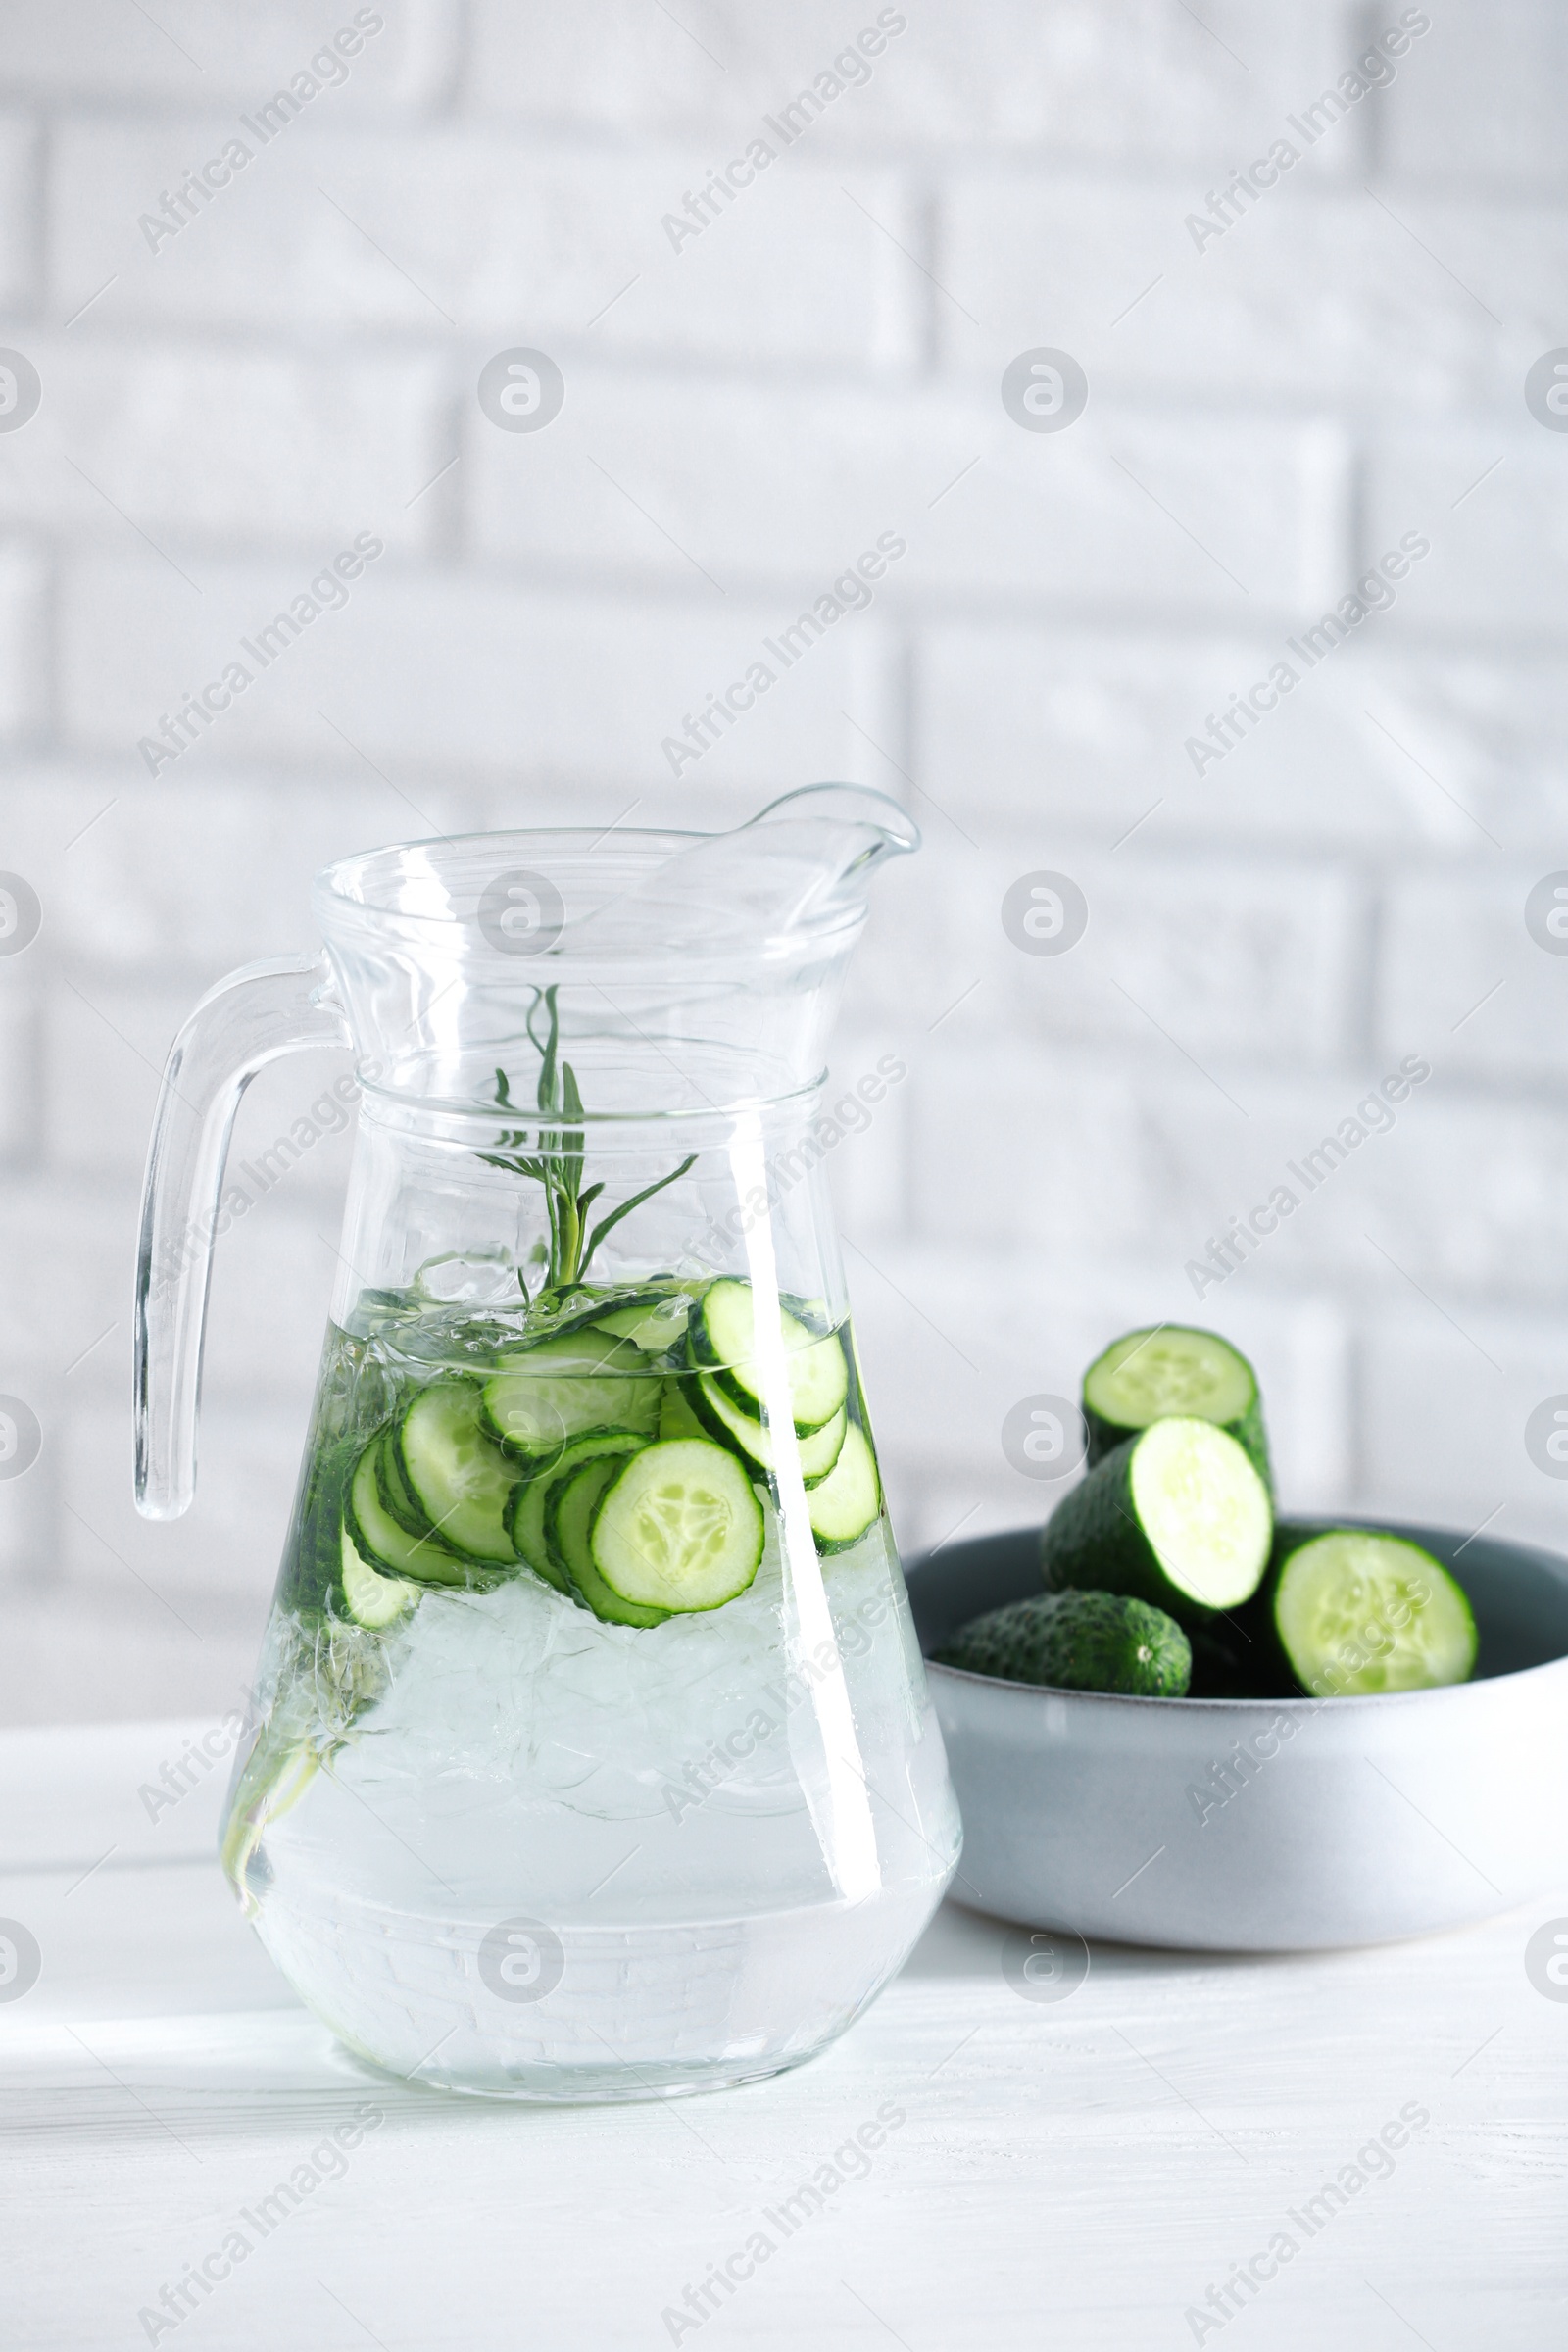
(1261, 1825)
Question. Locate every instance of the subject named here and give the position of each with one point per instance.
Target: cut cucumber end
(1177, 1516)
(1205, 1511)
(1359, 1614)
(1169, 1370)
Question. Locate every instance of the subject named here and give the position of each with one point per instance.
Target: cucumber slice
(717, 1416)
(530, 1499)
(723, 1340)
(394, 1488)
(1169, 1369)
(1078, 1642)
(370, 1598)
(849, 1499)
(313, 1548)
(1177, 1516)
(679, 1528)
(452, 1472)
(655, 1323)
(570, 1516)
(582, 1306)
(542, 1396)
(379, 1540)
(675, 1416)
(1358, 1613)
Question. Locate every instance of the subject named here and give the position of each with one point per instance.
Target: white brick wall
(821, 363)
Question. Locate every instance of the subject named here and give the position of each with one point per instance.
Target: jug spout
(850, 808)
(798, 870)
(849, 828)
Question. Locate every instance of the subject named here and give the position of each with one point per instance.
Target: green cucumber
(458, 1478)
(1078, 1642)
(540, 1397)
(723, 1340)
(381, 1540)
(1177, 1516)
(717, 1416)
(530, 1499)
(569, 1515)
(679, 1528)
(371, 1599)
(1358, 1613)
(848, 1500)
(1170, 1369)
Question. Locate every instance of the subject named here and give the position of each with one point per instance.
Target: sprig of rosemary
(559, 1158)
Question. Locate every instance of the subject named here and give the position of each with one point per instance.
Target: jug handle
(259, 1013)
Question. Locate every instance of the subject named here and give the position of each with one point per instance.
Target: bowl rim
(1302, 1705)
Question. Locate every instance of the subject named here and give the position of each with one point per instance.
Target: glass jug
(594, 1759)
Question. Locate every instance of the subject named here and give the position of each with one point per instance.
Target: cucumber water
(554, 1456)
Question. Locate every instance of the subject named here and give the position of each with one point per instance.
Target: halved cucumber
(1177, 1516)
(1358, 1613)
(530, 1499)
(719, 1416)
(849, 1499)
(378, 1538)
(679, 1528)
(569, 1515)
(370, 1598)
(542, 1396)
(723, 1340)
(459, 1478)
(1146, 1375)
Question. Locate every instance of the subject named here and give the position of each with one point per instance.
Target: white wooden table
(1075, 2173)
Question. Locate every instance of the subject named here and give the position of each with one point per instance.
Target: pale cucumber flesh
(679, 1528)
(453, 1472)
(1203, 1509)
(1169, 1369)
(1359, 1614)
(848, 1500)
